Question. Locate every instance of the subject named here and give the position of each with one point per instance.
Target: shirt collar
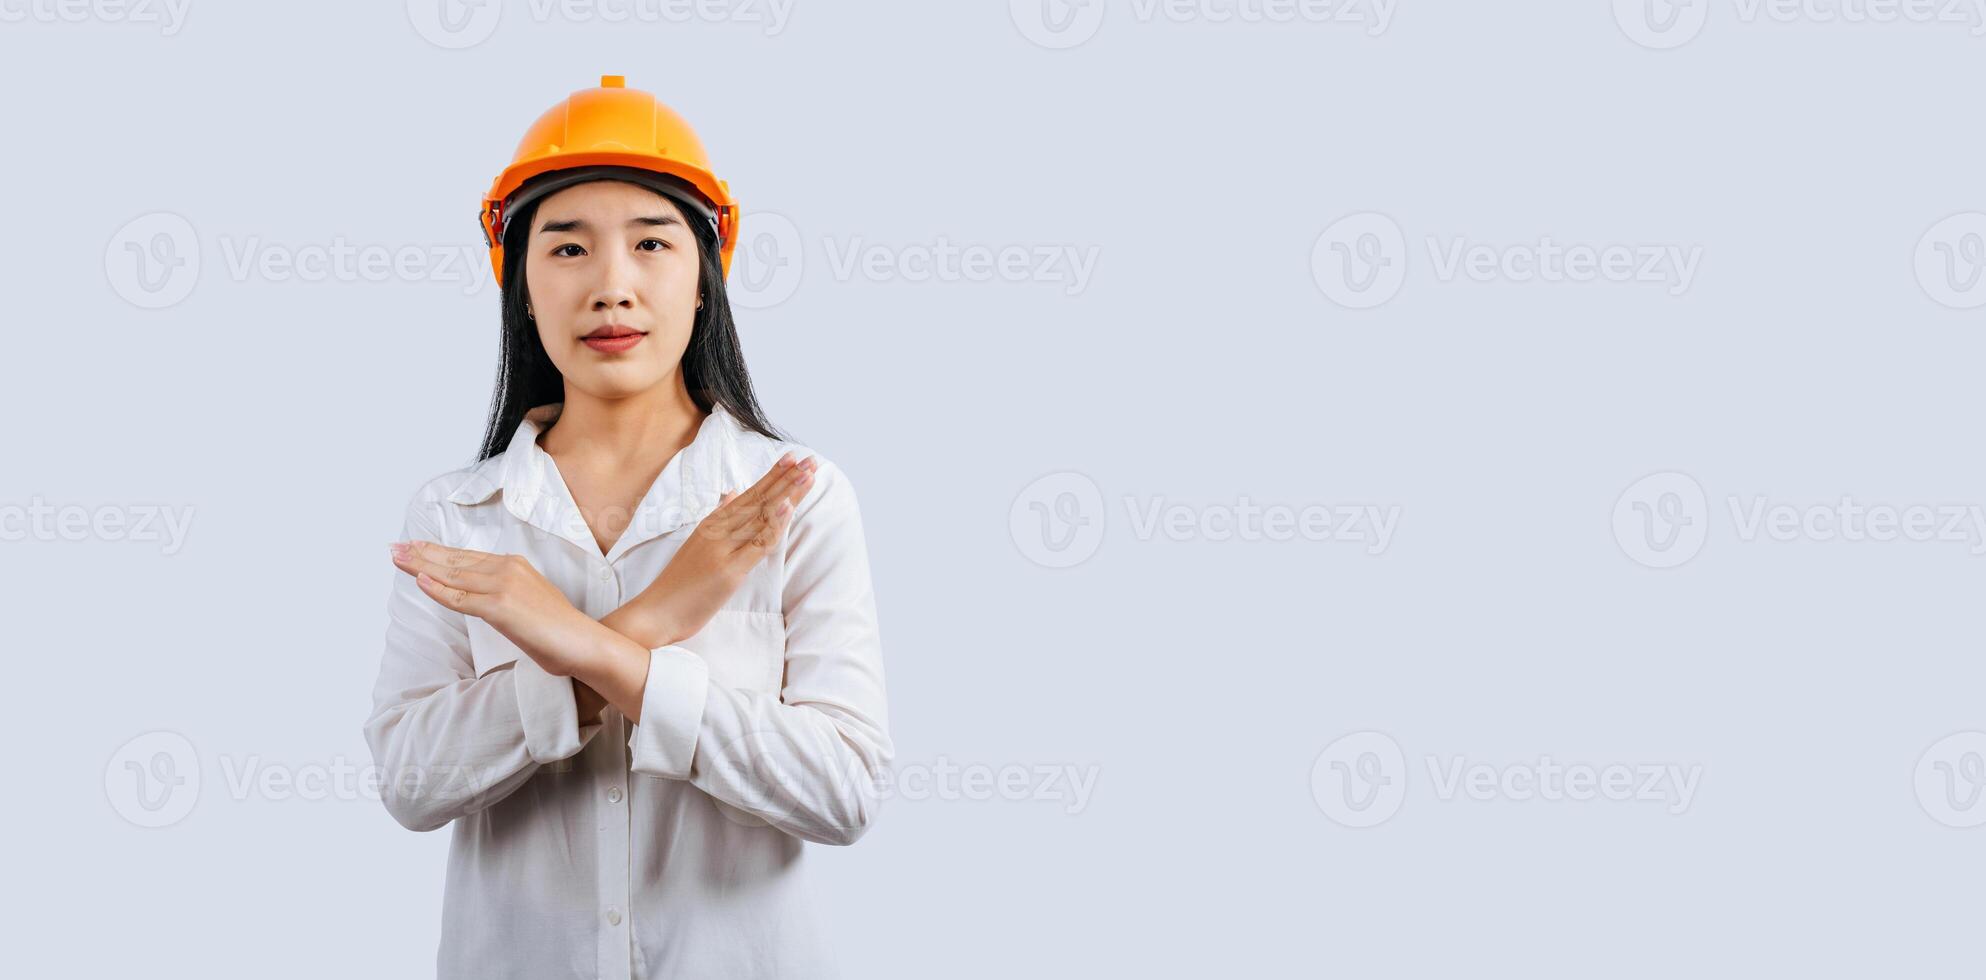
(534, 492)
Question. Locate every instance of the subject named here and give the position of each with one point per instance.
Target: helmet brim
(546, 184)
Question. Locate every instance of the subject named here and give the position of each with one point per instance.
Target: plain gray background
(1825, 692)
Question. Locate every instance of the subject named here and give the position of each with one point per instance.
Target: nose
(616, 287)
(613, 297)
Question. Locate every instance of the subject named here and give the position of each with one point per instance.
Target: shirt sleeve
(448, 742)
(809, 759)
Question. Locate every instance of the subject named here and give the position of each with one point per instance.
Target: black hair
(713, 363)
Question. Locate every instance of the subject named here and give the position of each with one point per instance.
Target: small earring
(528, 315)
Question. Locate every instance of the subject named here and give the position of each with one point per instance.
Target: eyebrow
(651, 221)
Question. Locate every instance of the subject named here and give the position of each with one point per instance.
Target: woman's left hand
(506, 592)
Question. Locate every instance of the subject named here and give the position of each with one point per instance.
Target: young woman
(633, 654)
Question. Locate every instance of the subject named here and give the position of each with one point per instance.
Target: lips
(612, 338)
(611, 331)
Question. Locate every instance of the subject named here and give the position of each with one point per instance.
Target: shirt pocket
(744, 649)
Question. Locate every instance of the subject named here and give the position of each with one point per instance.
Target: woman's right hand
(715, 560)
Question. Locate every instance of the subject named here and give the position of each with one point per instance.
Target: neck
(630, 431)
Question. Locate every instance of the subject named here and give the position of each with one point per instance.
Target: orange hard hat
(612, 126)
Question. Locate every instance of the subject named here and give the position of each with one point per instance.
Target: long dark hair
(713, 363)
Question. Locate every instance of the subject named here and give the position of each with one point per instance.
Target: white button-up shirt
(664, 846)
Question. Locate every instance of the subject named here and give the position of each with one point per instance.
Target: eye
(656, 241)
(560, 251)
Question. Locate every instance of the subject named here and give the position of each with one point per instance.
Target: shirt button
(614, 795)
(613, 917)
(606, 574)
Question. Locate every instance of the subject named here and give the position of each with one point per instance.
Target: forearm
(642, 621)
(454, 750)
(588, 701)
(617, 666)
(616, 669)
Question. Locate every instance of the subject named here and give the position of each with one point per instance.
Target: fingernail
(399, 549)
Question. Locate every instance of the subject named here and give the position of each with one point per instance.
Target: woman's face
(608, 257)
